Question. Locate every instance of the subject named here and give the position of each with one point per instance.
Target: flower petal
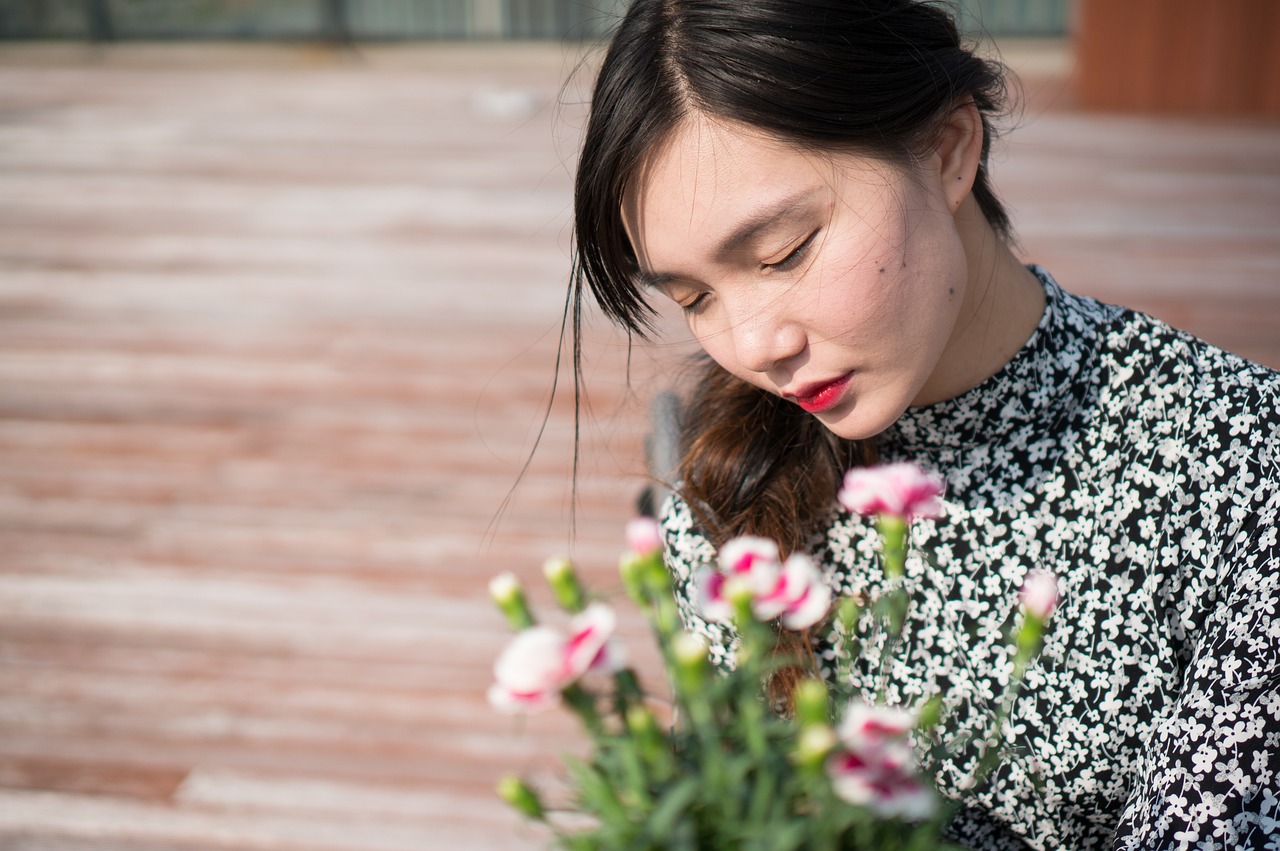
(748, 555)
(809, 598)
(709, 596)
(869, 725)
(588, 633)
(514, 703)
(532, 662)
(901, 490)
(1039, 594)
(644, 535)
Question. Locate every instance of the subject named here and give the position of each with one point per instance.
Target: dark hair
(874, 77)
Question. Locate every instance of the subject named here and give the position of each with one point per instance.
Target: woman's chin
(859, 419)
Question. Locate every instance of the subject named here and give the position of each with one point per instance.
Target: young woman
(808, 181)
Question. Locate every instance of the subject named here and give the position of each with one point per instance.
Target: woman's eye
(797, 254)
(694, 304)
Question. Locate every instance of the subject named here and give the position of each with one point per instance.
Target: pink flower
(530, 672)
(752, 560)
(800, 596)
(1039, 594)
(870, 723)
(644, 535)
(888, 794)
(899, 490)
(710, 596)
(794, 592)
(747, 565)
(874, 766)
(540, 662)
(588, 647)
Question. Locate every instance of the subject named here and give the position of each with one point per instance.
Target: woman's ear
(959, 153)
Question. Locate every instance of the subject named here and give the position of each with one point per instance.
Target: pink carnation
(1039, 594)
(899, 490)
(752, 559)
(644, 535)
(874, 766)
(800, 596)
(540, 662)
(794, 592)
(889, 794)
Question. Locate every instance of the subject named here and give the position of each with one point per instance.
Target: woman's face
(833, 280)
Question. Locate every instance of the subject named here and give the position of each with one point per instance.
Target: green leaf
(596, 792)
(789, 837)
(672, 806)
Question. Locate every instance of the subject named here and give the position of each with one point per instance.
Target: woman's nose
(764, 337)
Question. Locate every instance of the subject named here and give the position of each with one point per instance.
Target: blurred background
(281, 291)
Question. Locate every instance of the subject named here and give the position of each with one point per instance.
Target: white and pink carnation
(540, 662)
(644, 535)
(801, 595)
(898, 490)
(753, 562)
(1039, 594)
(874, 766)
(794, 592)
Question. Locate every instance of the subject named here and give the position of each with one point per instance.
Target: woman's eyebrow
(761, 220)
(746, 230)
(650, 280)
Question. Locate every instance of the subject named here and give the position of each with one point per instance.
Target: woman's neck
(1002, 307)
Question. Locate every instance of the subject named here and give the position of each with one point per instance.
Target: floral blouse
(1142, 466)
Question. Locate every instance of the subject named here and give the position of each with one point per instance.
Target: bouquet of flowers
(722, 769)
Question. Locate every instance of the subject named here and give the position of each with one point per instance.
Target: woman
(808, 181)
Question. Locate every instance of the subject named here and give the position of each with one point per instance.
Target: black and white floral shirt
(1142, 466)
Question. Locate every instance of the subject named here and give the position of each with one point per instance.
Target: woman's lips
(816, 398)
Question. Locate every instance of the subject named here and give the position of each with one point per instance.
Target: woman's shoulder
(1150, 370)
(687, 546)
(1168, 400)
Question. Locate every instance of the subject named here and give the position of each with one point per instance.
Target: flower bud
(650, 742)
(564, 584)
(690, 656)
(1039, 594)
(930, 714)
(640, 721)
(741, 597)
(644, 536)
(632, 570)
(813, 745)
(811, 703)
(517, 793)
(509, 596)
(848, 612)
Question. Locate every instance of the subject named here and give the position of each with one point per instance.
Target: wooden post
(1179, 56)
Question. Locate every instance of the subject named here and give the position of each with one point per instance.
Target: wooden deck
(277, 331)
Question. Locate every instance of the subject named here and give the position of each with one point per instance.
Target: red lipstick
(816, 398)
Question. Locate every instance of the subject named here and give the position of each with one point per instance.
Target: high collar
(1036, 389)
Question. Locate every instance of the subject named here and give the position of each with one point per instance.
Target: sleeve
(688, 551)
(1210, 777)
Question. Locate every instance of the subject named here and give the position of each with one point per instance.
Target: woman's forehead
(710, 172)
(704, 147)
(707, 167)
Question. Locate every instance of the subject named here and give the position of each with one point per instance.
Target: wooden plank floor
(277, 331)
